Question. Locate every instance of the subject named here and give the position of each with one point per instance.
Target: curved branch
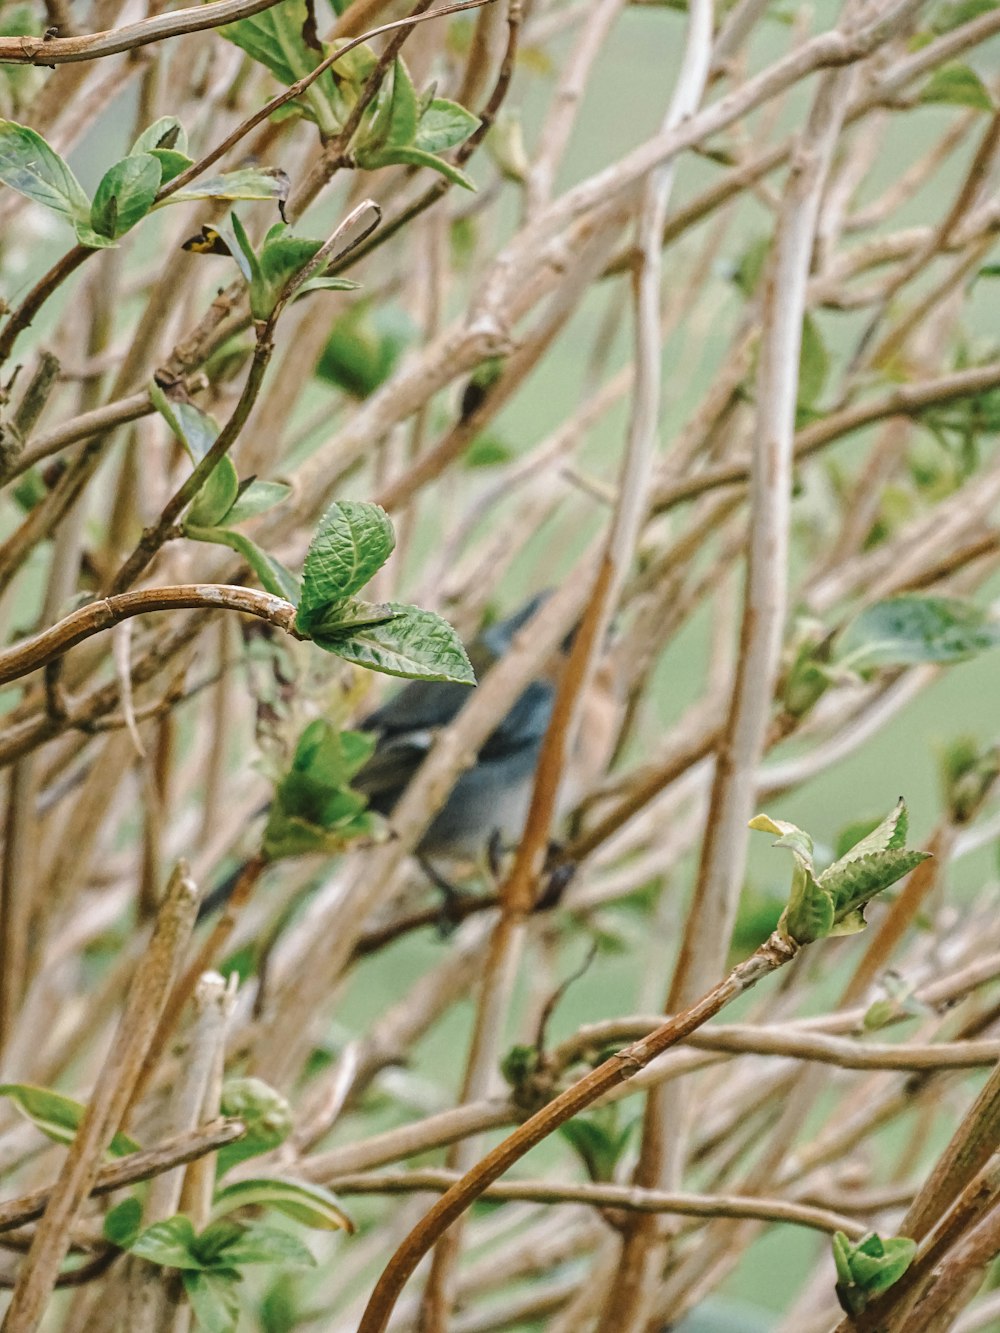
(31, 50)
(89, 620)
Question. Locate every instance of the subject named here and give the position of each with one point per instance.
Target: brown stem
(51, 643)
(775, 953)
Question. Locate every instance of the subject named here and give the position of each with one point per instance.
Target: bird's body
(490, 799)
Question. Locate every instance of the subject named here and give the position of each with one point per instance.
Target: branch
(625, 1197)
(89, 620)
(773, 954)
(51, 51)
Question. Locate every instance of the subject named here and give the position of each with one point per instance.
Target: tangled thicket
(684, 311)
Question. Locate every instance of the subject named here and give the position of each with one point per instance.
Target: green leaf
(257, 498)
(326, 285)
(58, 1117)
(125, 195)
(195, 429)
(310, 1204)
(887, 836)
(869, 1267)
(810, 913)
(167, 132)
(395, 121)
(86, 235)
(265, 1112)
(171, 163)
(444, 125)
(274, 577)
(261, 1244)
(600, 1140)
(906, 630)
(30, 166)
(248, 183)
(123, 1223)
(277, 39)
(814, 364)
(416, 644)
(216, 497)
(415, 157)
(314, 807)
(853, 882)
(353, 541)
(346, 617)
(171, 1243)
(214, 1300)
(364, 347)
(956, 84)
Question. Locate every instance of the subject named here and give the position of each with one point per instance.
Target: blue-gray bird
(490, 800)
(489, 803)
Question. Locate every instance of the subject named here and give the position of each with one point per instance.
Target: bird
(486, 810)
(488, 805)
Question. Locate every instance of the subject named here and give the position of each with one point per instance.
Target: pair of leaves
(270, 272)
(600, 1140)
(405, 130)
(869, 1267)
(832, 903)
(897, 632)
(210, 1261)
(57, 1117)
(315, 808)
(224, 501)
(128, 190)
(352, 543)
(283, 39)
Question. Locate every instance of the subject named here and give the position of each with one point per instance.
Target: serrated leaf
(906, 630)
(312, 1205)
(416, 644)
(955, 84)
(125, 195)
(170, 1243)
(810, 912)
(443, 125)
(257, 498)
(167, 132)
(123, 1222)
(353, 541)
(216, 497)
(274, 577)
(346, 617)
(852, 883)
(889, 835)
(30, 166)
(214, 1300)
(58, 1117)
